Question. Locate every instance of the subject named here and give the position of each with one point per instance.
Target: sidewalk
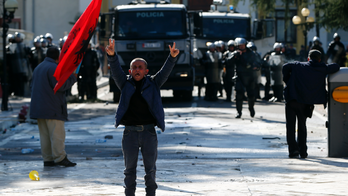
(10, 118)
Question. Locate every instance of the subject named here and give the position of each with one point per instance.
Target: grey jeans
(145, 138)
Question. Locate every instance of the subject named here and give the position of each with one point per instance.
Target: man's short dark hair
(53, 52)
(315, 55)
(138, 59)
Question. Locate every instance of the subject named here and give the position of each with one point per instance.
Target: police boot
(239, 104)
(251, 103)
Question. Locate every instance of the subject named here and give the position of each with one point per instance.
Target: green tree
(333, 14)
(330, 14)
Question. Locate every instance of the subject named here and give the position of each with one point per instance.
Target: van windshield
(226, 28)
(150, 24)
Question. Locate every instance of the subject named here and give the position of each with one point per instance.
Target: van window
(150, 24)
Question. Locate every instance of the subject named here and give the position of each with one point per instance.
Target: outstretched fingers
(110, 48)
(172, 48)
(173, 51)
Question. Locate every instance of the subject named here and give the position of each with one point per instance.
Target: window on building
(285, 32)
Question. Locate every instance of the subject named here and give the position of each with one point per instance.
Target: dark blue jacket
(150, 90)
(306, 81)
(44, 103)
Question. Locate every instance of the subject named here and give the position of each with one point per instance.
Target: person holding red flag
(140, 110)
(77, 42)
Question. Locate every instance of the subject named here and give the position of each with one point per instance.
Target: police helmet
(239, 41)
(230, 43)
(222, 43)
(277, 45)
(37, 40)
(251, 46)
(282, 45)
(10, 37)
(336, 36)
(217, 44)
(210, 45)
(49, 36)
(316, 39)
(43, 42)
(61, 41)
(19, 35)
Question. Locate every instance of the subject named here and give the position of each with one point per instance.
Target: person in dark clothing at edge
(140, 110)
(87, 78)
(336, 52)
(245, 63)
(228, 71)
(317, 46)
(305, 86)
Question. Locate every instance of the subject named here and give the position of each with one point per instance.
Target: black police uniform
(245, 64)
(86, 81)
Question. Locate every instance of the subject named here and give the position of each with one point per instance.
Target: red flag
(75, 46)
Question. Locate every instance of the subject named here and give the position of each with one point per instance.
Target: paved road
(204, 151)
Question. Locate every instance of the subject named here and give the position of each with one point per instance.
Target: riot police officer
(276, 62)
(245, 63)
(336, 52)
(10, 38)
(20, 70)
(257, 72)
(212, 62)
(317, 46)
(220, 48)
(37, 54)
(267, 72)
(62, 41)
(228, 70)
(86, 81)
(44, 43)
(49, 38)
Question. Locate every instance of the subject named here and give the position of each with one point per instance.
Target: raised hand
(174, 51)
(110, 49)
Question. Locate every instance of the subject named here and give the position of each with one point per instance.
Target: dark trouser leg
(239, 101)
(251, 103)
(290, 114)
(220, 89)
(251, 99)
(278, 92)
(149, 153)
(228, 89)
(81, 86)
(93, 89)
(239, 94)
(250, 88)
(200, 86)
(130, 148)
(207, 91)
(215, 87)
(267, 85)
(302, 130)
(257, 91)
